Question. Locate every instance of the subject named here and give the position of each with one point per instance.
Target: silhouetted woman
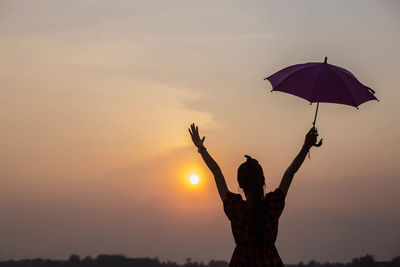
(254, 221)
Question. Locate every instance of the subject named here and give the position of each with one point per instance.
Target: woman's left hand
(194, 133)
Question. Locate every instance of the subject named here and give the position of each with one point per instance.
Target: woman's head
(251, 177)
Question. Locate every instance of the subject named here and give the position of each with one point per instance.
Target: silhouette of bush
(395, 261)
(365, 261)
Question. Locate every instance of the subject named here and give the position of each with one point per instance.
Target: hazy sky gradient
(96, 98)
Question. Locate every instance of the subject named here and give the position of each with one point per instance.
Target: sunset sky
(96, 98)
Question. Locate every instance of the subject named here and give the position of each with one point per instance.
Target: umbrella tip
(326, 59)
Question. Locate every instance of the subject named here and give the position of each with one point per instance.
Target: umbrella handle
(319, 143)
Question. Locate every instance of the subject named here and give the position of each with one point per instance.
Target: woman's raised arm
(210, 162)
(311, 140)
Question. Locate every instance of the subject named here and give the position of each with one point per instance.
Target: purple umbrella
(321, 82)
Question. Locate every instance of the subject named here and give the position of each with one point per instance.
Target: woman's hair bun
(250, 159)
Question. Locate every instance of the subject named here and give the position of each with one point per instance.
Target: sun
(194, 179)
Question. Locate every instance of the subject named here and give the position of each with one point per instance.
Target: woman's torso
(251, 248)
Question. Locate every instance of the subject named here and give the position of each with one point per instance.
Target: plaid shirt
(248, 252)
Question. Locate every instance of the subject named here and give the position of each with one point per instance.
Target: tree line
(105, 260)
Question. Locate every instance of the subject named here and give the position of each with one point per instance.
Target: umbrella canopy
(321, 82)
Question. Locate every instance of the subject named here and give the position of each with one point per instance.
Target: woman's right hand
(194, 133)
(311, 139)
